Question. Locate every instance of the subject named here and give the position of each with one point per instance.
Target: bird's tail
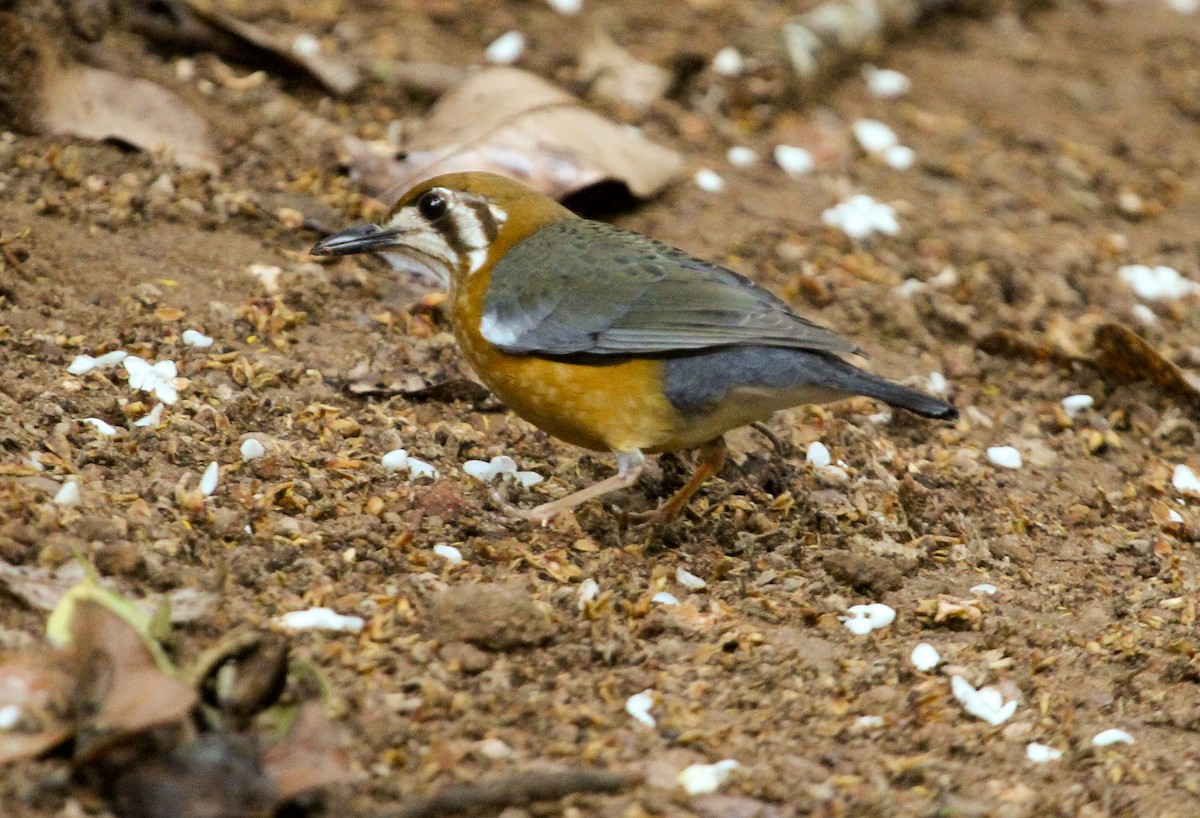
(832, 372)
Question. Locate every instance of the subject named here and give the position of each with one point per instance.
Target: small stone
(925, 657)
(1006, 457)
(505, 49)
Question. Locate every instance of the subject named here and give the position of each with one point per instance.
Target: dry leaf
(310, 756)
(616, 76)
(47, 93)
(197, 25)
(39, 686)
(1126, 356)
(514, 123)
(1011, 345)
(41, 588)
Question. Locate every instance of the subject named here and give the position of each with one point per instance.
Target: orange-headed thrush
(606, 338)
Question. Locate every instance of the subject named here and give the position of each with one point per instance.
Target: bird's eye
(432, 205)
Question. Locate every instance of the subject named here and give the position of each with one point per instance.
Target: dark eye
(432, 205)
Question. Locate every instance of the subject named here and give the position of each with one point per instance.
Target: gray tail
(831, 371)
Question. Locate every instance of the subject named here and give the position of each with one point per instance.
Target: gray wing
(601, 290)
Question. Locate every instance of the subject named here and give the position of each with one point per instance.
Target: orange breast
(608, 407)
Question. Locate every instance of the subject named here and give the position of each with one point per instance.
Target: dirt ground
(1053, 146)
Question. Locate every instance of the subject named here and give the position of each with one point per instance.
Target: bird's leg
(712, 457)
(629, 468)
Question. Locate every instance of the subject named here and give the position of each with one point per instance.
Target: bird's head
(451, 226)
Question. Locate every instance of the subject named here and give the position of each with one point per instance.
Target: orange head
(452, 226)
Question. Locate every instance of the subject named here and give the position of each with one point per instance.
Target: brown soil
(1052, 148)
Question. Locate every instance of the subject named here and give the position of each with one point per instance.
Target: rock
(492, 616)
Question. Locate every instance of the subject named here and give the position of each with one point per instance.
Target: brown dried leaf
(616, 76)
(1126, 356)
(516, 124)
(120, 681)
(40, 588)
(196, 24)
(1012, 345)
(47, 93)
(310, 756)
(40, 688)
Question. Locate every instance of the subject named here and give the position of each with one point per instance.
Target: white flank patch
(1159, 283)
(1185, 480)
(886, 83)
(1042, 753)
(449, 553)
(1006, 457)
(68, 494)
(321, 619)
(701, 779)
(638, 705)
(862, 619)
(860, 217)
(986, 703)
(925, 657)
(208, 480)
(506, 49)
(251, 449)
(1074, 404)
(818, 454)
(195, 338)
(499, 333)
(1112, 736)
(102, 426)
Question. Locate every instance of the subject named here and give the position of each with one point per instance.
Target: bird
(606, 338)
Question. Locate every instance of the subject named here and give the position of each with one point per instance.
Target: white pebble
(709, 181)
(728, 62)
(306, 45)
(1185, 480)
(860, 216)
(1041, 753)
(1157, 283)
(1074, 404)
(505, 49)
(663, 598)
(938, 385)
(10, 714)
(589, 589)
(208, 480)
(394, 461)
(102, 426)
(886, 83)
(874, 136)
(251, 449)
(68, 494)
(567, 7)
(702, 779)
(689, 580)
(862, 619)
(1006, 457)
(869, 722)
(741, 157)
(986, 703)
(1144, 315)
(419, 468)
(818, 455)
(1174, 516)
(899, 157)
(925, 657)
(449, 553)
(984, 588)
(794, 161)
(1184, 6)
(195, 338)
(159, 378)
(1112, 736)
(638, 705)
(321, 619)
(81, 364)
(501, 466)
(152, 417)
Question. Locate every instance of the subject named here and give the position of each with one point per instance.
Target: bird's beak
(362, 238)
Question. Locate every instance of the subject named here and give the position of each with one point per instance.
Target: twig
(513, 790)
